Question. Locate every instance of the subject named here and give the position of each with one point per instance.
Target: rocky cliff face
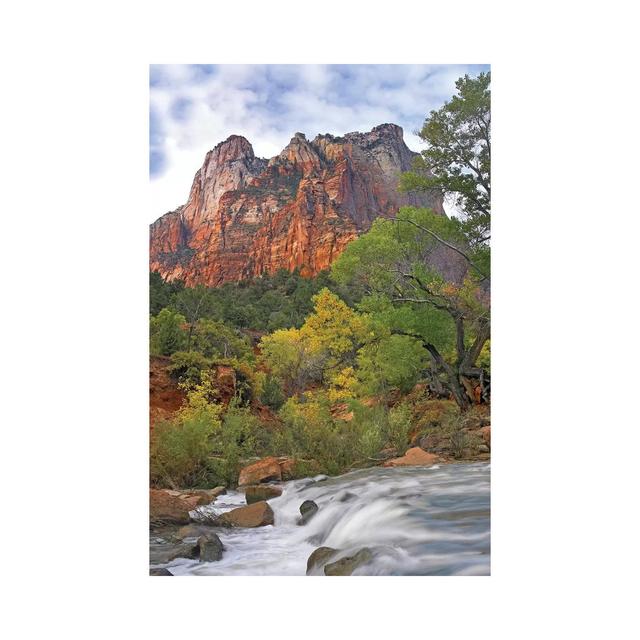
(246, 216)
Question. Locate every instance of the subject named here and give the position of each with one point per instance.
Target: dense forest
(387, 349)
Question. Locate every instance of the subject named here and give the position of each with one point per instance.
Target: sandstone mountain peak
(246, 216)
(389, 128)
(233, 148)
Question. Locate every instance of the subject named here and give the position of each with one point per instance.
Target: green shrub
(394, 362)
(369, 425)
(216, 340)
(179, 451)
(187, 367)
(271, 393)
(399, 427)
(311, 432)
(305, 468)
(181, 447)
(458, 442)
(166, 333)
(371, 442)
(242, 436)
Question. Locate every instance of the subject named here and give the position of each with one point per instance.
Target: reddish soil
(165, 398)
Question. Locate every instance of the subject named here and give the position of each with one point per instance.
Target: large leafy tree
(291, 358)
(194, 304)
(326, 343)
(166, 333)
(424, 283)
(161, 293)
(427, 274)
(457, 160)
(216, 340)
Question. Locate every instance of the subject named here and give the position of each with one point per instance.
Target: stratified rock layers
(246, 216)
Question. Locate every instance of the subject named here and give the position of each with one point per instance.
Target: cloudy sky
(193, 107)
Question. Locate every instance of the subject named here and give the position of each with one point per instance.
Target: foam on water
(416, 521)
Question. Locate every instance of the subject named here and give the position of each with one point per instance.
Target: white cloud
(196, 108)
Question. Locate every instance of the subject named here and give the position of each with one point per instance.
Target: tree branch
(444, 242)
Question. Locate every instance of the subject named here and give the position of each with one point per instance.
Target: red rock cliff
(246, 216)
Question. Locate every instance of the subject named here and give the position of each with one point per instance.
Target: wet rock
(307, 506)
(264, 470)
(192, 531)
(160, 572)
(286, 467)
(210, 548)
(413, 457)
(167, 508)
(257, 493)
(346, 566)
(212, 494)
(258, 514)
(188, 531)
(346, 496)
(184, 551)
(320, 557)
(196, 497)
(173, 506)
(307, 510)
(164, 533)
(163, 554)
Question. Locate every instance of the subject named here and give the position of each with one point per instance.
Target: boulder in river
(259, 492)
(258, 514)
(264, 470)
(286, 467)
(188, 531)
(160, 572)
(193, 530)
(167, 508)
(413, 457)
(173, 506)
(210, 548)
(209, 495)
(320, 557)
(307, 510)
(346, 566)
(196, 497)
(164, 553)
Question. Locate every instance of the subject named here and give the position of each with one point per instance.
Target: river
(415, 521)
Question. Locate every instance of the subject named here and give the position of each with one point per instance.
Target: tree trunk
(455, 387)
(189, 338)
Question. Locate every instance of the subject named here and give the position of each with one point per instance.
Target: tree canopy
(457, 160)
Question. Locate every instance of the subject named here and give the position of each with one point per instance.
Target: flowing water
(414, 520)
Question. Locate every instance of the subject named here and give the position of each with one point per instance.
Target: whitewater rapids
(415, 521)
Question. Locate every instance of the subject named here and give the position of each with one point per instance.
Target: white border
(74, 167)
